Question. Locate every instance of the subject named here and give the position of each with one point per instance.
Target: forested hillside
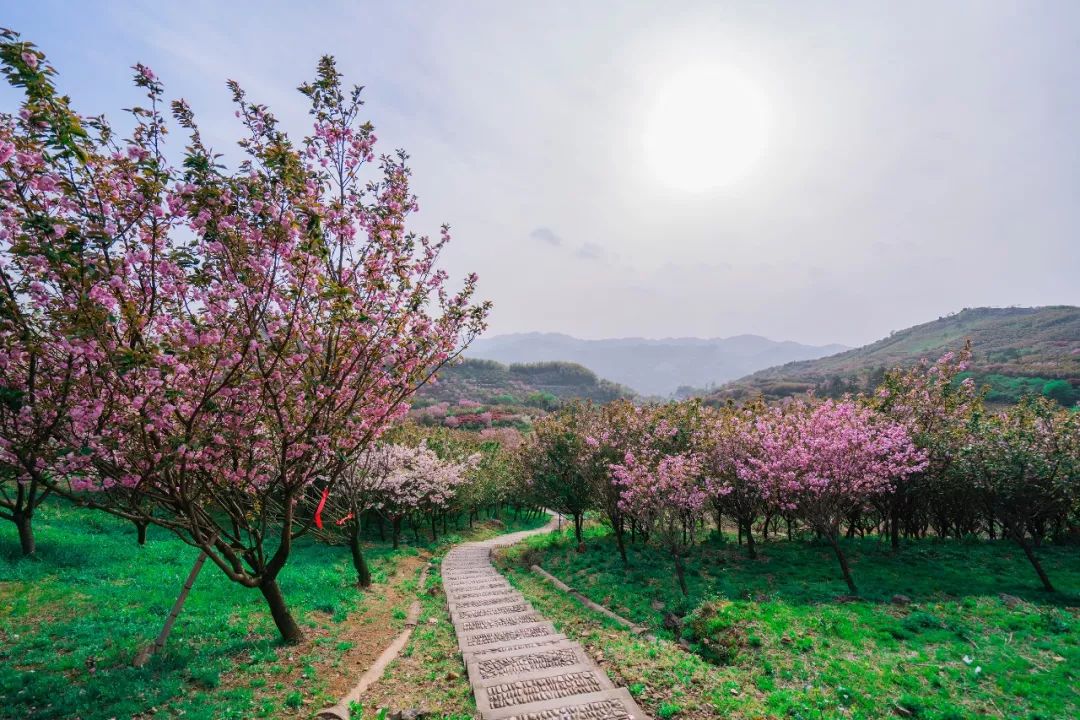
(485, 393)
(1016, 351)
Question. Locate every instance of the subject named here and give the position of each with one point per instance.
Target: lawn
(971, 636)
(72, 619)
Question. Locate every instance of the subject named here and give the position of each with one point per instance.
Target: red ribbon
(318, 510)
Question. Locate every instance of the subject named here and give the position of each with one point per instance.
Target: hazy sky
(906, 160)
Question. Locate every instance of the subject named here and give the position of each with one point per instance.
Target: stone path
(520, 668)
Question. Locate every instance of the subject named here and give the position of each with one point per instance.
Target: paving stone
(511, 606)
(502, 664)
(614, 704)
(538, 686)
(457, 579)
(483, 592)
(471, 655)
(475, 640)
(480, 602)
(499, 621)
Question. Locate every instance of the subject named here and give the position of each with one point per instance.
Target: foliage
(919, 454)
(554, 465)
(208, 343)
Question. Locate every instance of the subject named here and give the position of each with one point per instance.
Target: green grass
(72, 619)
(777, 638)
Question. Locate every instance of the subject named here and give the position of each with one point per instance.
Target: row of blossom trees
(921, 455)
(421, 477)
(200, 347)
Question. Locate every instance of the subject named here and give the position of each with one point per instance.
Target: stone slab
(502, 609)
(499, 621)
(614, 704)
(511, 662)
(482, 602)
(461, 584)
(538, 686)
(474, 592)
(509, 646)
(526, 631)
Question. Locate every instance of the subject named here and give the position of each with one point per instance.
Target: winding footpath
(520, 668)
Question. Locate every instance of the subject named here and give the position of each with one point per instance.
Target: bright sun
(708, 128)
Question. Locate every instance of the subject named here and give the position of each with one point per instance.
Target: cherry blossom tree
(394, 480)
(661, 478)
(827, 460)
(727, 440)
(242, 335)
(610, 432)
(68, 194)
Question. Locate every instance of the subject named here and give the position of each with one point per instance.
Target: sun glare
(707, 129)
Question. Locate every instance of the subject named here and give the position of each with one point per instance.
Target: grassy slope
(784, 644)
(71, 621)
(1029, 342)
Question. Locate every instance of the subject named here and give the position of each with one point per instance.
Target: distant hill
(1015, 351)
(528, 384)
(652, 367)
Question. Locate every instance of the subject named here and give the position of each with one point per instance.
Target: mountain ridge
(651, 366)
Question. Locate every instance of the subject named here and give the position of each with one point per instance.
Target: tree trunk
(363, 573)
(1032, 558)
(579, 520)
(434, 530)
(894, 524)
(144, 655)
(843, 563)
(290, 631)
(751, 546)
(619, 531)
(140, 530)
(382, 529)
(23, 521)
(395, 526)
(680, 572)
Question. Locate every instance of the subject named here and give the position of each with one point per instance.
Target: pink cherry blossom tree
(728, 439)
(247, 333)
(68, 195)
(661, 479)
(395, 481)
(827, 460)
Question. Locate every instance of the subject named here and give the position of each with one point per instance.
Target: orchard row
(921, 455)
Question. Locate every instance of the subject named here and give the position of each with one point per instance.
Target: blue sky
(921, 157)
